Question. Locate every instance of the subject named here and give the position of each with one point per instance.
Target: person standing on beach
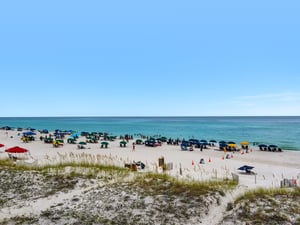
(133, 146)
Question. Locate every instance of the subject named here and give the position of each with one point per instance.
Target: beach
(270, 168)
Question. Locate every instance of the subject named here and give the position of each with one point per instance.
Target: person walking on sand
(133, 146)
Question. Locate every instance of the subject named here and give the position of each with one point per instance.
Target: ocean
(281, 131)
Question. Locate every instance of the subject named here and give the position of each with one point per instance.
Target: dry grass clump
(165, 184)
(266, 206)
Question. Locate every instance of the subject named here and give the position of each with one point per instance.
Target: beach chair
(12, 157)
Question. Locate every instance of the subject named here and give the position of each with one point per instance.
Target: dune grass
(163, 183)
(262, 193)
(87, 169)
(267, 206)
(152, 182)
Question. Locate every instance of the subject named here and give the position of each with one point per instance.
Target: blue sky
(149, 58)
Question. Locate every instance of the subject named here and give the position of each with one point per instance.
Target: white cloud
(272, 104)
(274, 97)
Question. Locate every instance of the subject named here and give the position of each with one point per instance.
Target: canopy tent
(17, 152)
(16, 149)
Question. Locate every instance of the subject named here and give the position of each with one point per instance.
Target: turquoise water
(282, 131)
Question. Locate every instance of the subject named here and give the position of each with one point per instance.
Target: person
(133, 146)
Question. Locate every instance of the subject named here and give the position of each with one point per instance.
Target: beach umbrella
(230, 142)
(1, 145)
(82, 143)
(29, 133)
(203, 141)
(123, 143)
(104, 144)
(246, 168)
(232, 145)
(262, 146)
(273, 146)
(139, 141)
(244, 143)
(75, 135)
(213, 141)
(16, 149)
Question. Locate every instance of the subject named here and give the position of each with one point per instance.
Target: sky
(149, 58)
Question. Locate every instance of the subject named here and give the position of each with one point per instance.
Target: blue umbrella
(246, 168)
(29, 133)
(75, 135)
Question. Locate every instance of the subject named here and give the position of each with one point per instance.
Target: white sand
(270, 167)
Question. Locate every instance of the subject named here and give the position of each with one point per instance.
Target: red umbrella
(16, 149)
(1, 145)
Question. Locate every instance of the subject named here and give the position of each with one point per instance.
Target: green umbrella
(104, 144)
(138, 141)
(82, 143)
(123, 143)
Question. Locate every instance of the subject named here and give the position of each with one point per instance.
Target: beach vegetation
(266, 206)
(134, 195)
(264, 193)
(165, 184)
